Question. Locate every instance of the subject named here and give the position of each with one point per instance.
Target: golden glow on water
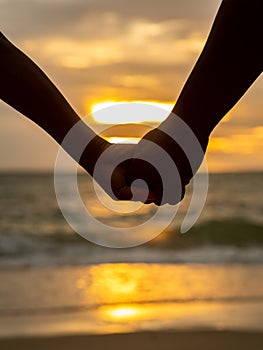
(121, 313)
(119, 284)
(154, 312)
(130, 297)
(116, 298)
(127, 284)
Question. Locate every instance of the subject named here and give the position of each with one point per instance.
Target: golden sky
(100, 51)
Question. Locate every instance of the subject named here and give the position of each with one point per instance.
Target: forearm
(231, 61)
(25, 87)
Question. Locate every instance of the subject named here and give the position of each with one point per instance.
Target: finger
(142, 195)
(124, 193)
(135, 194)
(158, 201)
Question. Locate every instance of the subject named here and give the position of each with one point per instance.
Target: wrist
(92, 153)
(180, 128)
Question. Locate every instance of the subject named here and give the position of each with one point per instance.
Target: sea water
(33, 232)
(54, 281)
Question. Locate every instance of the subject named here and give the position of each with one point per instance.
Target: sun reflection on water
(121, 313)
(129, 297)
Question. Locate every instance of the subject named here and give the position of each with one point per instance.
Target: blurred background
(100, 53)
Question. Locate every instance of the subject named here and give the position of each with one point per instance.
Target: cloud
(31, 18)
(97, 50)
(82, 42)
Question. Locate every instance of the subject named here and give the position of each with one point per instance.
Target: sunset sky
(98, 51)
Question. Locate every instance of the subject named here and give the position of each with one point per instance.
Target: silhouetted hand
(163, 164)
(110, 164)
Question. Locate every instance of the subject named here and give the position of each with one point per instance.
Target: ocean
(54, 281)
(34, 233)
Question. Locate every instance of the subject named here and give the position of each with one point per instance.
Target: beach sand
(185, 340)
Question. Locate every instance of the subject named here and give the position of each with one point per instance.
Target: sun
(123, 112)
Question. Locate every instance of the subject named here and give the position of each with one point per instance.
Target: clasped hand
(122, 165)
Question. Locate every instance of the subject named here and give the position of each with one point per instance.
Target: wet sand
(181, 340)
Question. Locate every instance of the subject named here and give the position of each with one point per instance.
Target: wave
(235, 232)
(238, 233)
(226, 241)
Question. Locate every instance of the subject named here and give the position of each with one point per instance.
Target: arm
(230, 62)
(25, 87)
